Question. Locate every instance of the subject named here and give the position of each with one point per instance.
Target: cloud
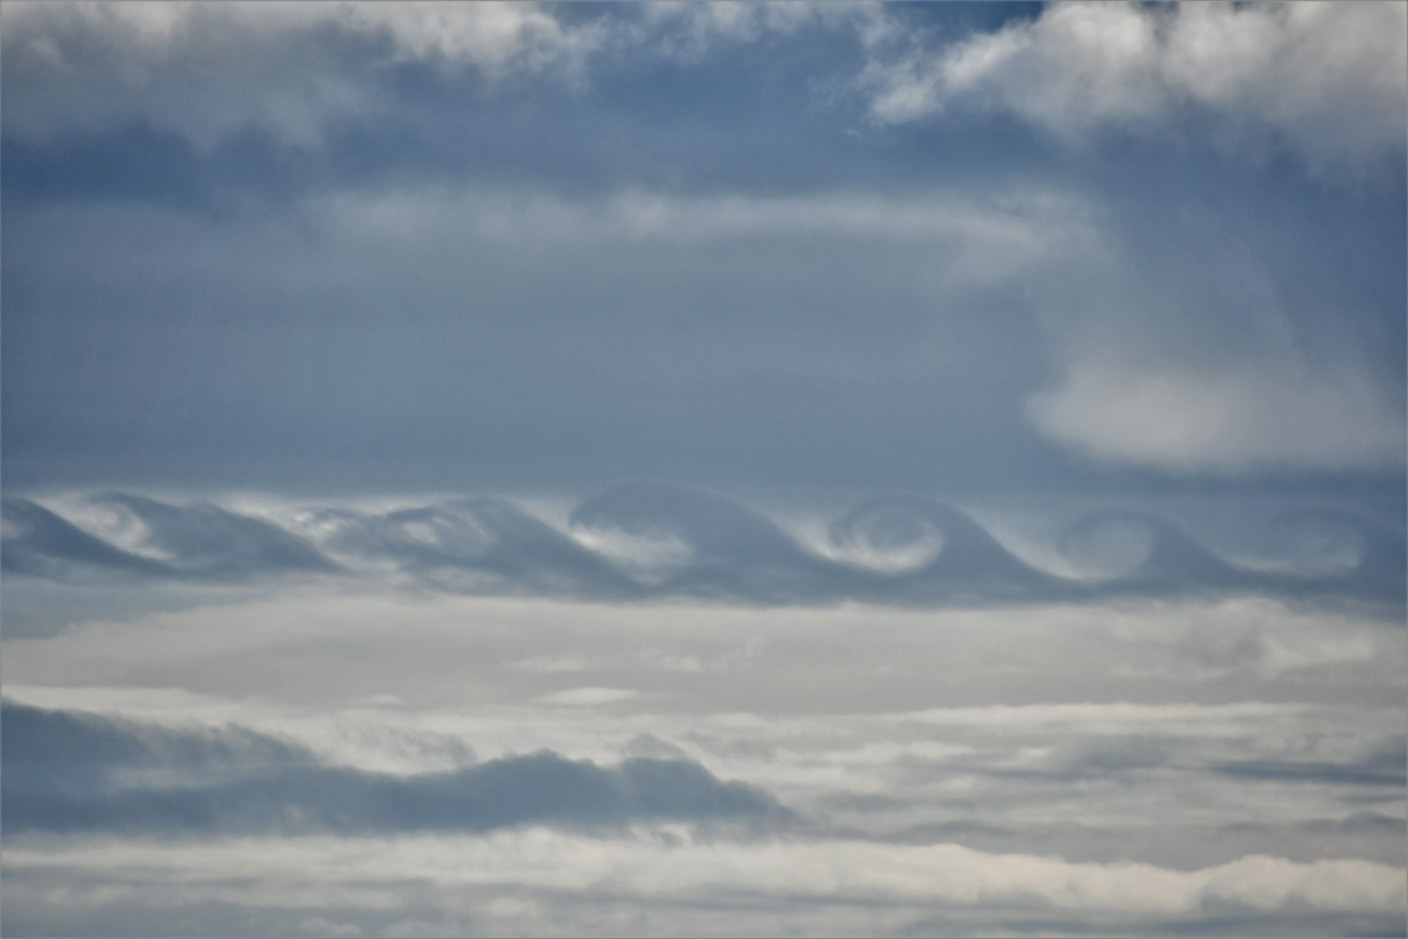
(40, 542)
(212, 71)
(968, 562)
(689, 31)
(1250, 419)
(497, 38)
(642, 540)
(1068, 783)
(587, 697)
(760, 885)
(1386, 766)
(72, 773)
(732, 550)
(200, 542)
(488, 538)
(1326, 78)
(1367, 835)
(975, 237)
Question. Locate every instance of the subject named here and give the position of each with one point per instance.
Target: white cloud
(1327, 77)
(205, 71)
(802, 881)
(1254, 417)
(208, 70)
(689, 31)
(498, 38)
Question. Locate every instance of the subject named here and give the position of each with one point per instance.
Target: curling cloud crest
(638, 541)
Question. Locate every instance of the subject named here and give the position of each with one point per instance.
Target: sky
(665, 468)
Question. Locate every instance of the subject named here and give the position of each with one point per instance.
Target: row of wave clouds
(650, 541)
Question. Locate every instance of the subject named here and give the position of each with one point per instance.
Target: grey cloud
(1220, 923)
(200, 542)
(1385, 767)
(733, 552)
(206, 540)
(970, 563)
(1164, 558)
(67, 772)
(651, 540)
(486, 536)
(40, 542)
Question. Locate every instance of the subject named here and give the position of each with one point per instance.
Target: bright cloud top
(1327, 77)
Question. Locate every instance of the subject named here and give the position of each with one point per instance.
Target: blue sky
(722, 468)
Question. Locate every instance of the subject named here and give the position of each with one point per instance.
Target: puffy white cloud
(1254, 417)
(1328, 77)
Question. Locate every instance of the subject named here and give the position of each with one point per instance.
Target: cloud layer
(570, 838)
(638, 541)
(68, 773)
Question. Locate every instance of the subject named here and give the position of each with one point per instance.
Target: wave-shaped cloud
(1082, 67)
(651, 540)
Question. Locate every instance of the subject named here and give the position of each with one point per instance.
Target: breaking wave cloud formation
(648, 541)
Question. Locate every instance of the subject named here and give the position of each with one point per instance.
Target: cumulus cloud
(1327, 78)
